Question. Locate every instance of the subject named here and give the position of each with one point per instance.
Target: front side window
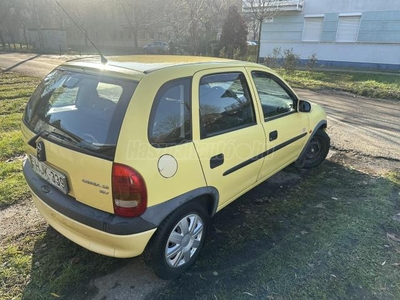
(275, 99)
(170, 121)
(225, 104)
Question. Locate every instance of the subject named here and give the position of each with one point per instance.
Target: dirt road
(369, 128)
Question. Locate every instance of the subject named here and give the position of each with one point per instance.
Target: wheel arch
(207, 196)
(321, 125)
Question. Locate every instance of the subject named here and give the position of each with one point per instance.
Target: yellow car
(138, 154)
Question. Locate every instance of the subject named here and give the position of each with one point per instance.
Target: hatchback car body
(157, 47)
(137, 155)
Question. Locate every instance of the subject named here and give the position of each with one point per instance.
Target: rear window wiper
(32, 141)
(71, 140)
(64, 138)
(46, 134)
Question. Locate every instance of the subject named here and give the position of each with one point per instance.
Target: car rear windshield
(82, 111)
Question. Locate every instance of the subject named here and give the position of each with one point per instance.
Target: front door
(230, 135)
(285, 128)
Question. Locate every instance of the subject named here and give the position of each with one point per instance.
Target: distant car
(157, 47)
(251, 43)
(137, 155)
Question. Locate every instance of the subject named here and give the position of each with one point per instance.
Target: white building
(342, 33)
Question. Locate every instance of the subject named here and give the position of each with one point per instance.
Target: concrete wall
(378, 40)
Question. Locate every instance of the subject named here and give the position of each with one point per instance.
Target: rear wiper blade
(32, 141)
(72, 140)
(64, 138)
(45, 133)
(96, 146)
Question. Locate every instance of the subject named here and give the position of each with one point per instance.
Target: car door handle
(216, 160)
(273, 135)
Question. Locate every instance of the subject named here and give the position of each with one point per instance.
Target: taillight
(129, 191)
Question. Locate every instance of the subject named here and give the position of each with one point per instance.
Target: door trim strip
(264, 154)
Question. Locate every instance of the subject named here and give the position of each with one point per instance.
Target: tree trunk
(25, 38)
(135, 38)
(86, 40)
(3, 42)
(135, 31)
(259, 40)
(192, 30)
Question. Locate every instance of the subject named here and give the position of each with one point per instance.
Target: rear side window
(225, 104)
(84, 110)
(170, 121)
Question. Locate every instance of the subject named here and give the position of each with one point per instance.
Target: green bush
(312, 62)
(290, 61)
(273, 60)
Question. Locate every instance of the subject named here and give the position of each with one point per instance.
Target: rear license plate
(52, 176)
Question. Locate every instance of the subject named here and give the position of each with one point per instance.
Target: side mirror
(304, 106)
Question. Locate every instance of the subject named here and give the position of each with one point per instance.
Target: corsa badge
(40, 152)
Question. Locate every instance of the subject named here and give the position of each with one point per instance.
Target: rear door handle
(273, 135)
(216, 160)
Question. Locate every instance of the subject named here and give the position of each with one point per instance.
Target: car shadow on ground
(301, 234)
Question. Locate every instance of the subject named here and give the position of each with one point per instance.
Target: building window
(313, 28)
(348, 28)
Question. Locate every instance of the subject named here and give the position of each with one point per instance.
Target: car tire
(317, 149)
(178, 241)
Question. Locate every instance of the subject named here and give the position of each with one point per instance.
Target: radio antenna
(102, 57)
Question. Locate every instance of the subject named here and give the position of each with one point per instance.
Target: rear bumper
(116, 237)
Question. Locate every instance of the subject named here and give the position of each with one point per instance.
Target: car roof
(143, 64)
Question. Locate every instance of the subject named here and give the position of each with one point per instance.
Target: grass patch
(11, 122)
(11, 145)
(15, 91)
(326, 238)
(375, 85)
(12, 106)
(10, 78)
(42, 264)
(12, 183)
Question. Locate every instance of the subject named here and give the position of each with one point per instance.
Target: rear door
(72, 123)
(229, 136)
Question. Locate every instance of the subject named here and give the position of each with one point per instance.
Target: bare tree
(198, 20)
(89, 15)
(186, 17)
(139, 13)
(6, 10)
(14, 16)
(261, 10)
